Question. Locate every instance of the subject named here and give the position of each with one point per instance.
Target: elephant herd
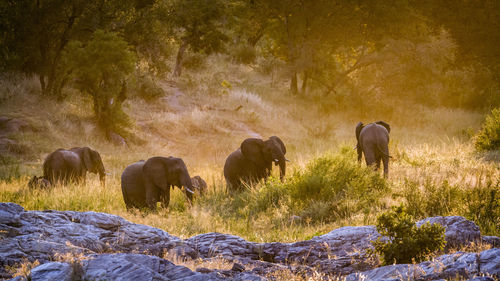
(147, 182)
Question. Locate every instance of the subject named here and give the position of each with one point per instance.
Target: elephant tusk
(287, 160)
(276, 160)
(189, 190)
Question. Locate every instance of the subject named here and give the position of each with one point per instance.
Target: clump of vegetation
(431, 199)
(402, 241)
(482, 205)
(488, 137)
(101, 68)
(479, 203)
(335, 186)
(244, 54)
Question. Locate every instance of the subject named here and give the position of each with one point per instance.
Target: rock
(489, 262)
(494, 241)
(238, 267)
(459, 231)
(9, 214)
(458, 265)
(110, 247)
(52, 271)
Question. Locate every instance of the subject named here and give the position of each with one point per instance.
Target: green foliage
(402, 241)
(479, 203)
(482, 205)
(100, 68)
(335, 186)
(432, 199)
(488, 138)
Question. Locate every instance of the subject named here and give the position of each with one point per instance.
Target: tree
(197, 24)
(35, 34)
(474, 26)
(307, 34)
(100, 68)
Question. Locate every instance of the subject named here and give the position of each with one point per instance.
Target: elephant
(66, 165)
(144, 183)
(39, 182)
(373, 141)
(253, 160)
(199, 184)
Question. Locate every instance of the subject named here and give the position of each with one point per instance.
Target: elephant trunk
(188, 185)
(102, 178)
(282, 164)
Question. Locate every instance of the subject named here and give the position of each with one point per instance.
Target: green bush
(432, 199)
(335, 186)
(488, 138)
(101, 68)
(402, 241)
(482, 205)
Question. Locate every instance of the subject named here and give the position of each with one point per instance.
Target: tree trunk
(293, 83)
(304, 83)
(178, 60)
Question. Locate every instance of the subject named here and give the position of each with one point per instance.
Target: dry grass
(202, 120)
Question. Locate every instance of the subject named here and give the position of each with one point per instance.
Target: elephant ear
(279, 143)
(359, 127)
(382, 123)
(252, 149)
(87, 158)
(156, 171)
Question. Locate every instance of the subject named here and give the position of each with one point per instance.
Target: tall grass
(434, 164)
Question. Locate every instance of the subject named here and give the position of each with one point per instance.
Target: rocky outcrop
(108, 247)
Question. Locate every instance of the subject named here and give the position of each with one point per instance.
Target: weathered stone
(489, 262)
(52, 271)
(494, 241)
(42, 235)
(459, 231)
(9, 214)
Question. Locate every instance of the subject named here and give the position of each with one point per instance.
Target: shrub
(101, 68)
(482, 205)
(402, 241)
(488, 138)
(335, 186)
(431, 199)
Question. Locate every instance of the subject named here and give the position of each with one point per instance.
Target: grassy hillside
(205, 115)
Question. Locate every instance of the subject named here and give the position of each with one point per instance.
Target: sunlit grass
(426, 144)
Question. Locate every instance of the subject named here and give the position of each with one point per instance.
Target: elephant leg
(165, 198)
(360, 152)
(385, 159)
(151, 197)
(378, 159)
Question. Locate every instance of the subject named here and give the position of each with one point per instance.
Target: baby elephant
(199, 184)
(39, 182)
(373, 141)
(145, 183)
